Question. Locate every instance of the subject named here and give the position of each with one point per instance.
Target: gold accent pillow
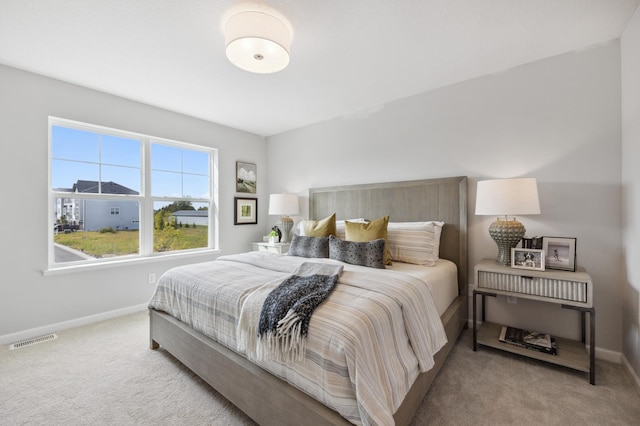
(320, 228)
(369, 231)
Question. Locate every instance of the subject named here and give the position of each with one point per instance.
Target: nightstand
(571, 290)
(280, 248)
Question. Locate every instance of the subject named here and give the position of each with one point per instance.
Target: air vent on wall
(33, 341)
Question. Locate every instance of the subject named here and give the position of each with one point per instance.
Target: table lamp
(507, 197)
(284, 205)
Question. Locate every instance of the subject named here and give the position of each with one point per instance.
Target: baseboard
(601, 353)
(608, 355)
(53, 328)
(632, 372)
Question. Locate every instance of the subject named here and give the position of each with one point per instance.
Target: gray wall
(630, 43)
(29, 300)
(557, 120)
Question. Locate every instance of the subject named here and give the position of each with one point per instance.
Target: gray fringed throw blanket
(281, 330)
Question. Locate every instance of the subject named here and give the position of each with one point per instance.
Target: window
(115, 194)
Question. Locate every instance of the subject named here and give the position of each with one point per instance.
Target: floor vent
(33, 341)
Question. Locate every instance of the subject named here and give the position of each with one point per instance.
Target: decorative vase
(507, 234)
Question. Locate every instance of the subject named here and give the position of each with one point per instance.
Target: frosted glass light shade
(257, 41)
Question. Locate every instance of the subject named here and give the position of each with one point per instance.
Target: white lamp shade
(257, 41)
(517, 196)
(283, 204)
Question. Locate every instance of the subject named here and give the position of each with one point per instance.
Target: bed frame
(269, 400)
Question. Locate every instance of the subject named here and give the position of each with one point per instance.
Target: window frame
(144, 198)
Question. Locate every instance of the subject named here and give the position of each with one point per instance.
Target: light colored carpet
(105, 373)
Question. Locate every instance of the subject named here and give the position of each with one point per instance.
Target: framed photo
(245, 211)
(560, 253)
(533, 243)
(526, 258)
(246, 177)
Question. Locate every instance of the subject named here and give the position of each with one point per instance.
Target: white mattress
(441, 278)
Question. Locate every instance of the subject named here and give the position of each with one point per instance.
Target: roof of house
(192, 213)
(91, 186)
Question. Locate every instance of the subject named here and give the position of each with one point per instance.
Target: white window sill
(85, 266)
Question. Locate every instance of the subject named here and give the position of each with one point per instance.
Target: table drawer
(575, 291)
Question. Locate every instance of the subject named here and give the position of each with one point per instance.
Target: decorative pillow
(437, 228)
(304, 246)
(414, 242)
(369, 231)
(370, 253)
(319, 228)
(340, 226)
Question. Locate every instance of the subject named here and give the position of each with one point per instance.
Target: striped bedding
(367, 342)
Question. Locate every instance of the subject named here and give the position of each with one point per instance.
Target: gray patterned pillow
(303, 246)
(370, 253)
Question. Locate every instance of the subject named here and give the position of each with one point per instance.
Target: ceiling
(347, 56)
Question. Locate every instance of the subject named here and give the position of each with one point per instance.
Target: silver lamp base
(286, 223)
(507, 234)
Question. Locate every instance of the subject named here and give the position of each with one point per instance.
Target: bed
(257, 390)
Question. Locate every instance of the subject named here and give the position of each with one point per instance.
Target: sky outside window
(178, 172)
(85, 155)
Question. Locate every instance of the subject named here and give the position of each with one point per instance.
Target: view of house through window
(111, 199)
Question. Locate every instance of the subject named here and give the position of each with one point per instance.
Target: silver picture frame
(560, 253)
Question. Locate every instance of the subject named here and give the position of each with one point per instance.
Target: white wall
(29, 300)
(557, 120)
(630, 46)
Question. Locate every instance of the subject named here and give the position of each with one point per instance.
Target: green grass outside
(121, 243)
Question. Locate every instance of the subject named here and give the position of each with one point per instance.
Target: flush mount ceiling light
(257, 40)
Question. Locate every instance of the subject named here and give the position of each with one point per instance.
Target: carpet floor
(105, 373)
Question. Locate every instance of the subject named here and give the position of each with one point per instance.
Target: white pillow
(414, 242)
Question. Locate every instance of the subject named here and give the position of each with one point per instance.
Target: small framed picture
(245, 211)
(560, 253)
(533, 243)
(526, 258)
(246, 177)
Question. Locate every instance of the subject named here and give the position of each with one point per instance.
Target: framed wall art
(245, 211)
(560, 253)
(526, 258)
(246, 177)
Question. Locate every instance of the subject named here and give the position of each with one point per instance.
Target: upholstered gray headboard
(443, 199)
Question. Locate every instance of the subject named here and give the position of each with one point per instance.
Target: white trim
(138, 260)
(52, 328)
(631, 371)
(607, 355)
